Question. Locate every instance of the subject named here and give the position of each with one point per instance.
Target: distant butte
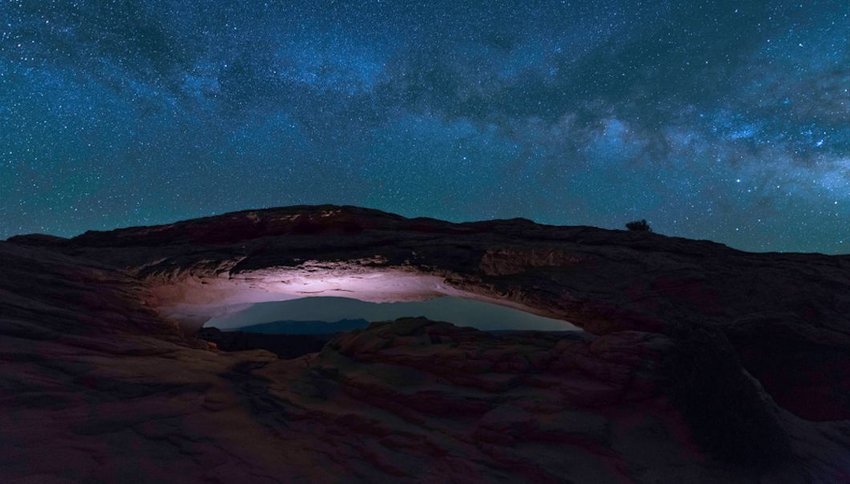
(698, 362)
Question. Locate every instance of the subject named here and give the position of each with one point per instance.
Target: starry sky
(711, 119)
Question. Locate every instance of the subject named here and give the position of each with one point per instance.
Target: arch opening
(328, 314)
(227, 298)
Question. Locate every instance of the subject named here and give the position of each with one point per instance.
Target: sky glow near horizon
(459, 311)
(721, 120)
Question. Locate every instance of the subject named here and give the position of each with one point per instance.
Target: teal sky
(723, 120)
(461, 312)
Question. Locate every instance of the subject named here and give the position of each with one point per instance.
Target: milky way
(721, 120)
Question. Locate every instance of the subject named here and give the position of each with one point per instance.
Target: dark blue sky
(720, 120)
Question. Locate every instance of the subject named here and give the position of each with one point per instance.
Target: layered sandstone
(698, 361)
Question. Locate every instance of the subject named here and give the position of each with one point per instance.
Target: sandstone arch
(698, 317)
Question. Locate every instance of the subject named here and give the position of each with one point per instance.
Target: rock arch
(698, 319)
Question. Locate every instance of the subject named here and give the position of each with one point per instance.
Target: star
(577, 113)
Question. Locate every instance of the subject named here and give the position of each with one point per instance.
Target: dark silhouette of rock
(699, 362)
(283, 345)
(305, 327)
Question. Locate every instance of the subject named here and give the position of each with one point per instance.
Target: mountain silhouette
(305, 327)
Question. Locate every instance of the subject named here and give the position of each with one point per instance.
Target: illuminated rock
(699, 361)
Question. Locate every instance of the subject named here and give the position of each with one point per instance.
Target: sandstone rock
(699, 362)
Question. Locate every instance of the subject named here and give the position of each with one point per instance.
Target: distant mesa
(305, 327)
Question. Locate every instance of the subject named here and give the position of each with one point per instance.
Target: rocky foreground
(698, 362)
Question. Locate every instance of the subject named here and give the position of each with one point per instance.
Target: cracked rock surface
(698, 362)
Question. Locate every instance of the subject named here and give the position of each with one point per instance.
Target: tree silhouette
(639, 226)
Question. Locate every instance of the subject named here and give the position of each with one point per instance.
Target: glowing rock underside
(699, 362)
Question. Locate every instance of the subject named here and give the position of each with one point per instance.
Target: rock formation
(698, 362)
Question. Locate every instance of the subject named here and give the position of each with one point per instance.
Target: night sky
(721, 120)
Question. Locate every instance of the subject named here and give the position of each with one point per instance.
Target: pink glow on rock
(193, 300)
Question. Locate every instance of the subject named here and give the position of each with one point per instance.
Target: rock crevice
(698, 361)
